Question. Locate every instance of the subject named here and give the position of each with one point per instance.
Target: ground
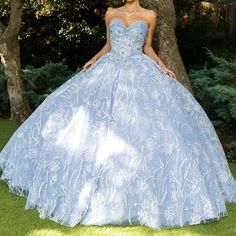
(14, 220)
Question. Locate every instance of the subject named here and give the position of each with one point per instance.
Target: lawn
(14, 220)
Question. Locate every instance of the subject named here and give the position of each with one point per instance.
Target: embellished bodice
(127, 41)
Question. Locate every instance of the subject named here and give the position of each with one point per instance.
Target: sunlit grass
(14, 220)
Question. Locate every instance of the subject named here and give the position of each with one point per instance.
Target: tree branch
(14, 24)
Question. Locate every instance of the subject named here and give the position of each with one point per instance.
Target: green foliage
(42, 81)
(206, 27)
(215, 88)
(39, 83)
(56, 30)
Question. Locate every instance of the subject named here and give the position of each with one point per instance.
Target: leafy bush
(40, 82)
(215, 88)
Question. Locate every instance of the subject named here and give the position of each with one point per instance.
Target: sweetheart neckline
(127, 27)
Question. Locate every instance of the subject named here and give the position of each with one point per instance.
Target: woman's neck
(132, 6)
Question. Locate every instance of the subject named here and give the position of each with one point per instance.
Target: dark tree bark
(166, 43)
(10, 58)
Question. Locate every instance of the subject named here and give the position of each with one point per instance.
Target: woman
(121, 142)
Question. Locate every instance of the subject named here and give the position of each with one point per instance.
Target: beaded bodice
(127, 41)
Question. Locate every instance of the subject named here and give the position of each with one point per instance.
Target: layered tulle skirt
(121, 143)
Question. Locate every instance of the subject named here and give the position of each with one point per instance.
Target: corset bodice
(127, 41)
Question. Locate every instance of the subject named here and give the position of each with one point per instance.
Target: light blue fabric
(121, 143)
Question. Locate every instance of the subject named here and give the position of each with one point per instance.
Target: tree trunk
(10, 57)
(166, 43)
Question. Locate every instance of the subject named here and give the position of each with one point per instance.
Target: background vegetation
(57, 37)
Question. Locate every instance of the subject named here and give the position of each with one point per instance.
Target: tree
(166, 43)
(68, 31)
(51, 31)
(10, 58)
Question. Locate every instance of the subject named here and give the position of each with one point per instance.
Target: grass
(14, 220)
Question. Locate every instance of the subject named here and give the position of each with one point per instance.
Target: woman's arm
(107, 46)
(147, 49)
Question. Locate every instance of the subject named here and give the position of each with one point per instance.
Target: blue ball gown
(121, 143)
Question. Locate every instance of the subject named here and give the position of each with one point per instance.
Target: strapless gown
(121, 143)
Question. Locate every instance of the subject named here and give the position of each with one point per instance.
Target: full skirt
(121, 143)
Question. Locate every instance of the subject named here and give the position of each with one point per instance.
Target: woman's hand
(89, 63)
(167, 71)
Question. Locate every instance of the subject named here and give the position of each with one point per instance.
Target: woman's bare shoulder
(112, 10)
(109, 12)
(149, 12)
(150, 16)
